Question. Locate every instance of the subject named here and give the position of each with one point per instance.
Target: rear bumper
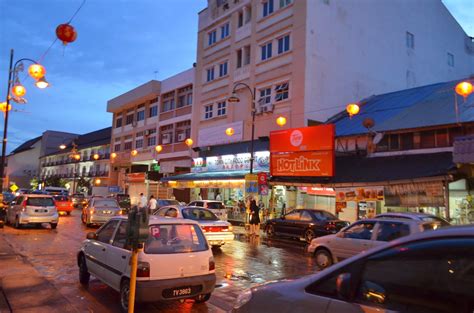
(217, 239)
(152, 291)
(100, 219)
(27, 219)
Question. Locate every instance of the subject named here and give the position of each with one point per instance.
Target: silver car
(426, 272)
(32, 209)
(363, 235)
(99, 210)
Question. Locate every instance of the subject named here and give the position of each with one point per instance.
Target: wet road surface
(239, 265)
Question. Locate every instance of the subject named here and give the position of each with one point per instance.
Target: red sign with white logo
(262, 178)
(313, 138)
(307, 163)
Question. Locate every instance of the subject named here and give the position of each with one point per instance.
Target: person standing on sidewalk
(142, 203)
(254, 218)
(152, 204)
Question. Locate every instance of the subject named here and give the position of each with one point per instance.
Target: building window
(153, 111)
(427, 139)
(151, 141)
(129, 119)
(181, 101)
(442, 138)
(154, 100)
(221, 108)
(240, 19)
(210, 74)
(139, 143)
(265, 96)
(212, 36)
(183, 130)
(284, 3)
(140, 115)
(127, 146)
(118, 122)
(282, 91)
(224, 30)
(267, 8)
(451, 59)
(239, 58)
(190, 99)
(166, 134)
(223, 69)
(117, 147)
(247, 55)
(168, 102)
(410, 40)
(284, 44)
(406, 141)
(208, 111)
(266, 51)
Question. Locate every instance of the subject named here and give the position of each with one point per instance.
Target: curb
(4, 305)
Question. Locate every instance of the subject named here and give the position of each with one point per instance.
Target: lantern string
(77, 11)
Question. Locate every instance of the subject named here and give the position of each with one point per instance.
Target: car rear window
(105, 202)
(215, 205)
(435, 219)
(167, 202)
(324, 216)
(61, 198)
(175, 238)
(40, 202)
(432, 226)
(199, 214)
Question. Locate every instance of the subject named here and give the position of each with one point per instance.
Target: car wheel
(323, 258)
(124, 293)
(84, 274)
(17, 223)
(270, 231)
(309, 235)
(202, 298)
(54, 225)
(68, 213)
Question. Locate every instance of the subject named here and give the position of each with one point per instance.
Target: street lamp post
(234, 99)
(75, 157)
(37, 72)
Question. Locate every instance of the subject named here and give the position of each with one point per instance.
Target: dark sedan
(305, 223)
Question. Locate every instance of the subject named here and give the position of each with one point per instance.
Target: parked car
(78, 200)
(175, 263)
(32, 209)
(304, 223)
(217, 207)
(416, 216)
(165, 202)
(63, 204)
(425, 272)
(217, 232)
(363, 235)
(99, 210)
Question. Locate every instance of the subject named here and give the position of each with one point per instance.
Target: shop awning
(360, 169)
(207, 176)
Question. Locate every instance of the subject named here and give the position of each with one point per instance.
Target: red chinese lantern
(66, 33)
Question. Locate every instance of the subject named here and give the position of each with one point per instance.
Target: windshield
(167, 202)
(324, 216)
(175, 238)
(61, 198)
(199, 214)
(436, 219)
(215, 205)
(40, 202)
(105, 202)
(78, 195)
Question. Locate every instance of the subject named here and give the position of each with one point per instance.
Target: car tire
(68, 213)
(323, 258)
(202, 298)
(270, 231)
(309, 235)
(124, 293)
(17, 223)
(84, 274)
(54, 225)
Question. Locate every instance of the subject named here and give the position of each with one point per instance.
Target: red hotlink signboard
(307, 151)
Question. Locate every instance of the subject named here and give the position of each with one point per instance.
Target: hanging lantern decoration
(281, 121)
(77, 157)
(158, 148)
(134, 152)
(188, 142)
(36, 71)
(18, 90)
(3, 106)
(97, 182)
(229, 131)
(113, 155)
(96, 156)
(464, 89)
(352, 109)
(66, 33)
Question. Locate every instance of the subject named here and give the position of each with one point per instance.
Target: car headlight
(243, 298)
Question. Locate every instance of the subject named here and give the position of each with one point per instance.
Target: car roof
(406, 214)
(392, 219)
(35, 195)
(156, 220)
(207, 201)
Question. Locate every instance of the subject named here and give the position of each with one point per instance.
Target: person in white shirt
(143, 201)
(218, 197)
(152, 204)
(199, 197)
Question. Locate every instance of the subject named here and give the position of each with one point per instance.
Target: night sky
(120, 45)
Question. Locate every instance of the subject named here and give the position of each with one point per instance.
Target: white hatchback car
(175, 262)
(217, 232)
(32, 209)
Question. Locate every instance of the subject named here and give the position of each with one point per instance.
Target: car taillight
(212, 264)
(330, 226)
(143, 269)
(23, 206)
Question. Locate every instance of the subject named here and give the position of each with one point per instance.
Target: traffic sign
(14, 188)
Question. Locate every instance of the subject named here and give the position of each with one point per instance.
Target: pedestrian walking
(254, 218)
(152, 204)
(142, 202)
(218, 196)
(199, 197)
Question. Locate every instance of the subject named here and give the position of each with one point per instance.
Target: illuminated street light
(229, 131)
(36, 71)
(464, 89)
(352, 109)
(97, 182)
(96, 156)
(62, 147)
(113, 155)
(134, 153)
(42, 83)
(281, 121)
(188, 142)
(158, 148)
(18, 90)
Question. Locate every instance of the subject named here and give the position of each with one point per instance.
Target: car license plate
(181, 291)
(41, 211)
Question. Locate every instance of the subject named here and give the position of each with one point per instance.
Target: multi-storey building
(91, 163)
(150, 126)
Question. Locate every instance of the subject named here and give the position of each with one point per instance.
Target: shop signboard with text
(307, 151)
(232, 162)
(370, 193)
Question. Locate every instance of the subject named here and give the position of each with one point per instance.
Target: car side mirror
(91, 236)
(343, 285)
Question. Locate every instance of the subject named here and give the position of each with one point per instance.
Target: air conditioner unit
(266, 108)
(182, 137)
(166, 138)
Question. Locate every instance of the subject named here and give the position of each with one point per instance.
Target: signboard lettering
(308, 163)
(313, 138)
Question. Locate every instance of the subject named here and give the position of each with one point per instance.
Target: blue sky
(120, 45)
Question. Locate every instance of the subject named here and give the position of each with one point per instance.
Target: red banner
(313, 138)
(307, 163)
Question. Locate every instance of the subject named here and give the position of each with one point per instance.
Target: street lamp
(234, 99)
(16, 91)
(75, 157)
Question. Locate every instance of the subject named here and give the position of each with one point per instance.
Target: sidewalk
(24, 288)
